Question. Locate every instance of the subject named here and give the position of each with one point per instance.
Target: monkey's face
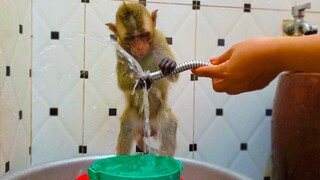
(138, 45)
(137, 36)
(134, 28)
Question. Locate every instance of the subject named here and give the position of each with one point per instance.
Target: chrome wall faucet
(300, 27)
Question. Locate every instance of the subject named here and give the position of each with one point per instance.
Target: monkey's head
(134, 28)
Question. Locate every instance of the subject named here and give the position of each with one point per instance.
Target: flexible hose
(180, 67)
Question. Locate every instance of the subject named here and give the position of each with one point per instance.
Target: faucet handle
(298, 11)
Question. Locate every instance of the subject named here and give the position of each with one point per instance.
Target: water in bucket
(140, 167)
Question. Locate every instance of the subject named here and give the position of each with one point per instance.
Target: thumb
(213, 71)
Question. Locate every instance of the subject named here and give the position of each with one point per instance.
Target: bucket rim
(97, 172)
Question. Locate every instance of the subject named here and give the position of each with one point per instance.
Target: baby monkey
(136, 33)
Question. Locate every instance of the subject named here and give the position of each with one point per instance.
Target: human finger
(213, 71)
(222, 58)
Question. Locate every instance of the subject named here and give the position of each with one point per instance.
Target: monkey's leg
(140, 143)
(125, 137)
(167, 134)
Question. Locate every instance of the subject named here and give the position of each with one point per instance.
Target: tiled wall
(76, 103)
(15, 84)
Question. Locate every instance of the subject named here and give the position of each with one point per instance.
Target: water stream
(136, 68)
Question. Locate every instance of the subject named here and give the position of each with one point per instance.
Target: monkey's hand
(167, 65)
(143, 82)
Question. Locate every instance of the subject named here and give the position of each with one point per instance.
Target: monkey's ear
(113, 28)
(154, 17)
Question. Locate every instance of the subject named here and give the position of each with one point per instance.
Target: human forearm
(300, 53)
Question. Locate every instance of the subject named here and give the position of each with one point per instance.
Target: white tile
(273, 4)
(205, 113)
(2, 72)
(2, 162)
(270, 22)
(218, 144)
(15, 89)
(53, 142)
(165, 22)
(71, 112)
(103, 139)
(244, 113)
(2, 76)
(26, 22)
(57, 83)
(98, 13)
(313, 18)
(65, 130)
(57, 62)
(19, 72)
(101, 11)
(9, 119)
(46, 9)
(205, 85)
(183, 145)
(101, 130)
(9, 25)
(216, 22)
(259, 146)
(315, 4)
(101, 91)
(267, 94)
(181, 28)
(15, 136)
(19, 156)
(69, 24)
(207, 37)
(241, 32)
(227, 3)
(41, 34)
(101, 57)
(40, 111)
(22, 8)
(55, 75)
(182, 107)
(175, 2)
(243, 164)
(180, 98)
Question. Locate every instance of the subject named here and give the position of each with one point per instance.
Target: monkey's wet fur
(136, 33)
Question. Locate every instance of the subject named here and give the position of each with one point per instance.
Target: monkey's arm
(162, 52)
(126, 76)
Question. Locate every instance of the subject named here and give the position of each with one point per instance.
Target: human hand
(167, 65)
(246, 66)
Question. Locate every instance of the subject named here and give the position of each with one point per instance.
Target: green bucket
(140, 167)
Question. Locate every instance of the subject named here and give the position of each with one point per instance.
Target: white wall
(83, 105)
(15, 84)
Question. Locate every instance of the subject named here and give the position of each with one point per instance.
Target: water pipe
(180, 67)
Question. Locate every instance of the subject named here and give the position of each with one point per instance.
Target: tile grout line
(31, 85)
(220, 6)
(84, 67)
(194, 84)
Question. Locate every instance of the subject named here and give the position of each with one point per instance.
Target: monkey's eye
(129, 38)
(128, 45)
(144, 35)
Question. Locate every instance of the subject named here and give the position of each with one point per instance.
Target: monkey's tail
(180, 67)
